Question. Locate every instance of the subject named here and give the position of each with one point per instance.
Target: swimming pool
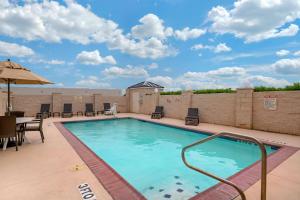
(147, 155)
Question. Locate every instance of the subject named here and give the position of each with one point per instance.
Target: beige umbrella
(11, 72)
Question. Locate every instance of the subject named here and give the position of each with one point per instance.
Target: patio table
(23, 120)
(19, 121)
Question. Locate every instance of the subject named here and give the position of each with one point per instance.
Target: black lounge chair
(67, 110)
(159, 112)
(106, 107)
(89, 110)
(192, 117)
(36, 125)
(44, 112)
(8, 130)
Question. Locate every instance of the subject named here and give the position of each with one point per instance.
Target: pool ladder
(263, 192)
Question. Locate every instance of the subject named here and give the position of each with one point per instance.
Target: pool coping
(120, 189)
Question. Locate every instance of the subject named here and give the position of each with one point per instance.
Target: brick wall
(245, 108)
(31, 104)
(215, 108)
(285, 119)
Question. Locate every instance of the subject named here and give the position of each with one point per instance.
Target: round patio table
(23, 120)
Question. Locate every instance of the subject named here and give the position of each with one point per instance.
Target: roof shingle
(146, 84)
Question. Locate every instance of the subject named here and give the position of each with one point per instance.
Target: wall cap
(244, 89)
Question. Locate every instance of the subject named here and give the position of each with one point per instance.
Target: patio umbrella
(13, 73)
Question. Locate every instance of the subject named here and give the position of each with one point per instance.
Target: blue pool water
(147, 155)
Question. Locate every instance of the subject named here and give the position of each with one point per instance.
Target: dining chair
(36, 125)
(8, 130)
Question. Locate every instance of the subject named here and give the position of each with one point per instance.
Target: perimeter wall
(31, 104)
(268, 111)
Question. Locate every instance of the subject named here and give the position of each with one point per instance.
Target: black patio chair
(67, 110)
(89, 110)
(8, 130)
(106, 107)
(44, 111)
(192, 117)
(36, 125)
(158, 113)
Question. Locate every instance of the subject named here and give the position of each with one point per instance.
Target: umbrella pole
(8, 97)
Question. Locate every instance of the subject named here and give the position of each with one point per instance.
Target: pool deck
(48, 171)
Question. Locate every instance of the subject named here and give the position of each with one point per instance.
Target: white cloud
(225, 77)
(238, 56)
(128, 71)
(282, 52)
(287, 66)
(187, 33)
(151, 26)
(153, 66)
(53, 22)
(165, 81)
(37, 60)
(152, 48)
(200, 46)
(221, 47)
(297, 53)
(55, 62)
(92, 82)
(225, 72)
(258, 80)
(94, 58)
(14, 50)
(256, 20)
(59, 85)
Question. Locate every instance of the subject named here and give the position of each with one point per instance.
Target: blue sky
(179, 44)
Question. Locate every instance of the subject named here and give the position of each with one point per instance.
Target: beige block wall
(3, 103)
(285, 119)
(243, 108)
(148, 103)
(216, 108)
(120, 100)
(78, 102)
(175, 106)
(144, 94)
(30, 104)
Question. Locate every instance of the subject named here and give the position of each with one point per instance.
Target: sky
(179, 44)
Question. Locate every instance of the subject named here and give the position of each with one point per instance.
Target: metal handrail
(263, 162)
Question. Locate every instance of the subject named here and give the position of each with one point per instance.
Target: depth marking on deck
(86, 192)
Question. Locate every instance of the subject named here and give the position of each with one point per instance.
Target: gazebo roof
(146, 84)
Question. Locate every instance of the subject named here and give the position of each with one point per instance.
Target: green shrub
(295, 86)
(209, 91)
(171, 93)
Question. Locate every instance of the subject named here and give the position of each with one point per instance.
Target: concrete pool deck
(47, 171)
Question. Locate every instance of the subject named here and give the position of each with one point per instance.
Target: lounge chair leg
(42, 135)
